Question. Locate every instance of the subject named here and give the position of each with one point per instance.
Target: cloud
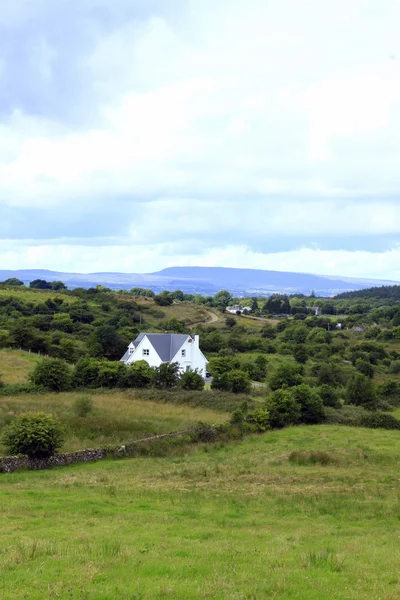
(164, 125)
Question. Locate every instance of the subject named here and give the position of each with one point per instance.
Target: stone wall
(10, 464)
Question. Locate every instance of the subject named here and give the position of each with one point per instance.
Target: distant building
(157, 348)
(238, 309)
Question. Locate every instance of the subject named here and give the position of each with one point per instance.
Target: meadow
(117, 417)
(306, 513)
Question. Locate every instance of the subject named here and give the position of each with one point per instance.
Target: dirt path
(213, 317)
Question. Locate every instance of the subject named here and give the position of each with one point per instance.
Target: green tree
(222, 299)
(300, 354)
(167, 375)
(105, 341)
(239, 382)
(139, 374)
(13, 282)
(286, 374)
(52, 373)
(36, 435)
(311, 405)
(361, 392)
(192, 380)
(283, 409)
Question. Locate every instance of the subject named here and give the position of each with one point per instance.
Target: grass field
(308, 513)
(118, 417)
(15, 365)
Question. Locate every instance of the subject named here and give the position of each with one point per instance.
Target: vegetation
(37, 435)
(257, 519)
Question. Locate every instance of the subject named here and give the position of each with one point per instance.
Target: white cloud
(228, 121)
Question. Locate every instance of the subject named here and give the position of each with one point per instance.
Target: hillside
(204, 280)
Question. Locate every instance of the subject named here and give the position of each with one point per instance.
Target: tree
(163, 300)
(36, 435)
(239, 382)
(221, 382)
(105, 341)
(13, 282)
(86, 372)
(300, 354)
(222, 299)
(286, 374)
(166, 375)
(361, 392)
(138, 291)
(192, 380)
(283, 409)
(40, 284)
(311, 406)
(52, 373)
(139, 374)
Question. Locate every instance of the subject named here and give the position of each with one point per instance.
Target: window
(131, 350)
(183, 353)
(146, 352)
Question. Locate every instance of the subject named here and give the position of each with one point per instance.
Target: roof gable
(165, 344)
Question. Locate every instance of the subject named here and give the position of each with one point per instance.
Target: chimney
(196, 340)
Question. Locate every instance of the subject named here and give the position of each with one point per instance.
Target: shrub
(395, 367)
(311, 406)
(329, 395)
(2, 384)
(239, 382)
(37, 435)
(52, 373)
(286, 374)
(364, 367)
(283, 409)
(166, 375)
(221, 382)
(260, 418)
(361, 392)
(379, 420)
(138, 375)
(83, 406)
(192, 380)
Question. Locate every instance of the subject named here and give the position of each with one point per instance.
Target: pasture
(307, 513)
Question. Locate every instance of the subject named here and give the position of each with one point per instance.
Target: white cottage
(157, 348)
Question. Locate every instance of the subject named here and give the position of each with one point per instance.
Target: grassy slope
(118, 417)
(238, 522)
(15, 365)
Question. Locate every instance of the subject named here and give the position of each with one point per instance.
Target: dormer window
(146, 352)
(183, 352)
(131, 350)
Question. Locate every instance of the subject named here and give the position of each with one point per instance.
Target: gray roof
(165, 344)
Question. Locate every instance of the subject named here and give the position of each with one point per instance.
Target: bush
(52, 373)
(361, 392)
(329, 396)
(311, 406)
(239, 382)
(286, 374)
(138, 375)
(166, 375)
(260, 418)
(379, 420)
(83, 406)
(37, 435)
(283, 409)
(192, 380)
(364, 367)
(2, 384)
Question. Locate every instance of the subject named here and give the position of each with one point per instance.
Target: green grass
(235, 522)
(15, 365)
(118, 417)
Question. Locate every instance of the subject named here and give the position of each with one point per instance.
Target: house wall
(153, 359)
(194, 357)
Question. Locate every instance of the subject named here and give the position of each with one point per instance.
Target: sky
(141, 134)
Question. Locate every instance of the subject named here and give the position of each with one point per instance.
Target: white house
(157, 348)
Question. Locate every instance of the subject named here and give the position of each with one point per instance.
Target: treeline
(381, 292)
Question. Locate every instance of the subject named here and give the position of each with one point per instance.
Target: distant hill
(206, 280)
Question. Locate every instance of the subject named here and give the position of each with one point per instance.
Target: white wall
(153, 359)
(194, 358)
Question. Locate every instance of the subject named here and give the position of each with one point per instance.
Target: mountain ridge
(206, 280)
